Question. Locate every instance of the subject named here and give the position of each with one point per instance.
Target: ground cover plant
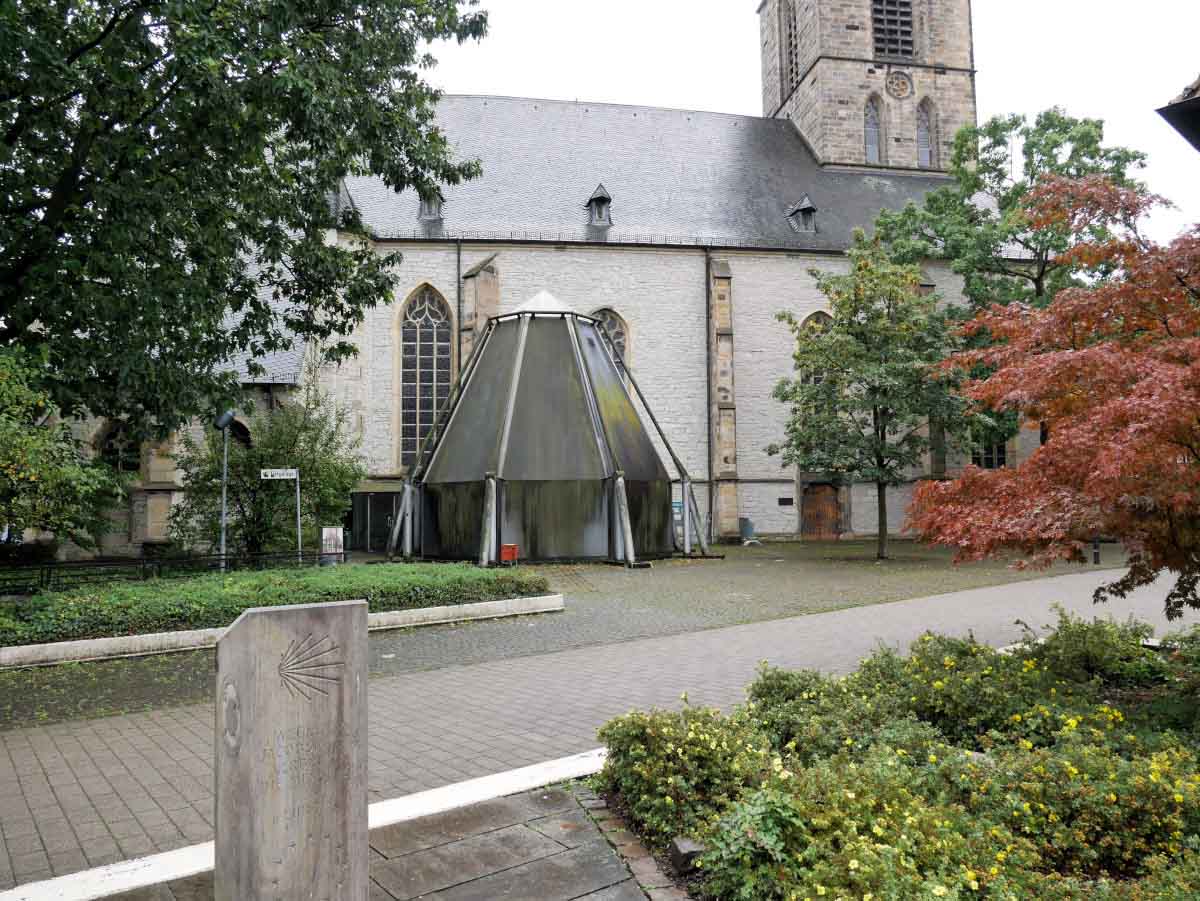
(211, 601)
(1067, 769)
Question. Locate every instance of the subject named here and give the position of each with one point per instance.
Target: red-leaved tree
(1113, 369)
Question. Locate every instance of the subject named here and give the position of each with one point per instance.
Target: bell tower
(878, 83)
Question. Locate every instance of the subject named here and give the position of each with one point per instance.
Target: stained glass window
(615, 330)
(424, 368)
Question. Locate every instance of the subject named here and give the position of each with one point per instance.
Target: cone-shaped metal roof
(544, 401)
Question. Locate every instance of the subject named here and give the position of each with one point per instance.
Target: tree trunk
(881, 552)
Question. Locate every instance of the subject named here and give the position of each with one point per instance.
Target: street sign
(281, 474)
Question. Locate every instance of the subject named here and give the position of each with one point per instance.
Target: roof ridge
(609, 103)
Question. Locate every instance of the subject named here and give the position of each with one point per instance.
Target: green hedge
(211, 601)
(1068, 769)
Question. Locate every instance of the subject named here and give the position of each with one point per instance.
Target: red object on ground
(508, 553)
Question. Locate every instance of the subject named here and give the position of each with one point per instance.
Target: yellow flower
(939, 890)
(820, 889)
(854, 864)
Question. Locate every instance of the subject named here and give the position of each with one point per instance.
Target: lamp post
(222, 422)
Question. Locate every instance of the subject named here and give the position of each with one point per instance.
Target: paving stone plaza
(83, 793)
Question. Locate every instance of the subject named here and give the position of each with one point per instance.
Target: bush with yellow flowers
(676, 772)
(1069, 768)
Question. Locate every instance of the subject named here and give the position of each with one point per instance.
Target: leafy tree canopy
(1113, 367)
(46, 483)
(866, 387)
(166, 170)
(979, 223)
(309, 432)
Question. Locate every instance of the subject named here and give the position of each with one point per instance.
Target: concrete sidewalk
(84, 793)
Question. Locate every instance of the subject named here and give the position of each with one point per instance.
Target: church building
(684, 233)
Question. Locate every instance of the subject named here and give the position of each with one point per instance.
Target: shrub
(967, 690)
(808, 716)
(1088, 811)
(854, 829)
(211, 601)
(676, 773)
(1114, 653)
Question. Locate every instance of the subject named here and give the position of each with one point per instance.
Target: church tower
(871, 82)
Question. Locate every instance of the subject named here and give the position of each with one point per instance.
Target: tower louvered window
(424, 368)
(791, 47)
(893, 25)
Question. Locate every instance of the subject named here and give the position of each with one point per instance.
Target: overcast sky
(1111, 59)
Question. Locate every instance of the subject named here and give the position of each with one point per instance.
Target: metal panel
(551, 436)
(651, 517)
(468, 449)
(631, 446)
(556, 520)
(451, 518)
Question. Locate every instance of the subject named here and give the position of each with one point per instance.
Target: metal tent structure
(541, 447)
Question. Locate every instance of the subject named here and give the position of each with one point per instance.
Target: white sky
(1111, 59)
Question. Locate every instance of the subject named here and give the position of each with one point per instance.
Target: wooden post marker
(291, 754)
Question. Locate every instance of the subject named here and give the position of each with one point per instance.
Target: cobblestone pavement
(88, 792)
(604, 604)
(539, 845)
(608, 604)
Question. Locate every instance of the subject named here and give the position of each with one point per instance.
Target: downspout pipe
(708, 379)
(459, 320)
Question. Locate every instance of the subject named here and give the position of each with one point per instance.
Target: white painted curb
(196, 639)
(128, 875)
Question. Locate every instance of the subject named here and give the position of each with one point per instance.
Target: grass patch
(213, 601)
(1069, 769)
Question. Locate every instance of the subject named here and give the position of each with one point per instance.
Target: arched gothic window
(424, 368)
(926, 136)
(615, 330)
(819, 321)
(873, 132)
(120, 451)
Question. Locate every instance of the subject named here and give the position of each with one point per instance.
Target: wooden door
(819, 513)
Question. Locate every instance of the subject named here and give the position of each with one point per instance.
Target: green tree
(309, 432)
(46, 482)
(979, 222)
(168, 181)
(866, 388)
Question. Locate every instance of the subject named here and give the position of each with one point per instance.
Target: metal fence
(59, 576)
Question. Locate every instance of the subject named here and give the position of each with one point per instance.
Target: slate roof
(675, 176)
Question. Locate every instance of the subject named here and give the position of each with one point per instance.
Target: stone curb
(198, 639)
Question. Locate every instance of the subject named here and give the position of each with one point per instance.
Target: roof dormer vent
(600, 207)
(802, 217)
(431, 208)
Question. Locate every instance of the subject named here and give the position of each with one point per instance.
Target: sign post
(282, 475)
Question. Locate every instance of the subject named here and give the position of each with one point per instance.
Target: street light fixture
(222, 422)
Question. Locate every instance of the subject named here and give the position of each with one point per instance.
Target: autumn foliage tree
(1113, 368)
